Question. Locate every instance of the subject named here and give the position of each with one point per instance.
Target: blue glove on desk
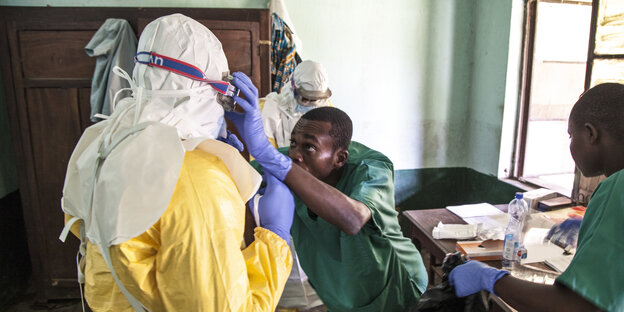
(474, 276)
(276, 208)
(565, 234)
(232, 140)
(249, 125)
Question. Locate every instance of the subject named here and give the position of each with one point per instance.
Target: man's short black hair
(603, 107)
(341, 125)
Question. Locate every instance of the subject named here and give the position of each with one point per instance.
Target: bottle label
(508, 246)
(521, 253)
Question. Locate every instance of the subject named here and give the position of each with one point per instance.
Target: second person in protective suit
(308, 89)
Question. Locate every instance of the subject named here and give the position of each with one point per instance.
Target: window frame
(528, 50)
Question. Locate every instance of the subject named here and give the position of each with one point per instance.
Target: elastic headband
(183, 69)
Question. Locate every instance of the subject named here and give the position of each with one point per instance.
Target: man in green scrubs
(356, 261)
(593, 281)
(345, 228)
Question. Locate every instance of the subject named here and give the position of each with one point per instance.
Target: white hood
(197, 114)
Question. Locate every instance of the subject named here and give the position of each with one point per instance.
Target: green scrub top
(377, 269)
(597, 268)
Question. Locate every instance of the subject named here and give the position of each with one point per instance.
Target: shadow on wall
(416, 189)
(14, 257)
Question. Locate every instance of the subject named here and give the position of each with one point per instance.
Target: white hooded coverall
(162, 202)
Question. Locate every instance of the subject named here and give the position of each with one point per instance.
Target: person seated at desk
(593, 281)
(345, 228)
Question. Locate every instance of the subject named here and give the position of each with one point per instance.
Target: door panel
(56, 54)
(54, 119)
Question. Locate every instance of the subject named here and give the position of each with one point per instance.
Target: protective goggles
(225, 89)
(303, 100)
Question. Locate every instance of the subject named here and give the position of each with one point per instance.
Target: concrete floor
(26, 302)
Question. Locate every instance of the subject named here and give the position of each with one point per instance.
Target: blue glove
(565, 234)
(276, 208)
(232, 140)
(249, 125)
(474, 276)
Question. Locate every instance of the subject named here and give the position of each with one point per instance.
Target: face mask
(303, 109)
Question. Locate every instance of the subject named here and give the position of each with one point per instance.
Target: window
(569, 47)
(605, 63)
(555, 54)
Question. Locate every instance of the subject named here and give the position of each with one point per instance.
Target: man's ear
(341, 157)
(591, 133)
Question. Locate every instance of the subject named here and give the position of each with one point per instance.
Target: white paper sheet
(474, 210)
(537, 249)
(560, 263)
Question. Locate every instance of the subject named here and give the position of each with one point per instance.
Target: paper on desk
(499, 220)
(560, 263)
(537, 249)
(474, 210)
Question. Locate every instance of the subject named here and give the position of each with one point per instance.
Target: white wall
(375, 53)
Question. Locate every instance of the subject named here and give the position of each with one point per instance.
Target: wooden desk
(422, 224)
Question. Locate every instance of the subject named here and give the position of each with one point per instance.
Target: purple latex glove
(249, 125)
(232, 140)
(276, 207)
(474, 276)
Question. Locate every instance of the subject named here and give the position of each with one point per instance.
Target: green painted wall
(488, 83)
(423, 80)
(428, 188)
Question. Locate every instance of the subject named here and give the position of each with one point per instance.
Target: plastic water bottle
(517, 211)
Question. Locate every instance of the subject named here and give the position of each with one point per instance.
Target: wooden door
(51, 78)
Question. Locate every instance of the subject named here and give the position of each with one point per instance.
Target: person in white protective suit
(160, 200)
(308, 89)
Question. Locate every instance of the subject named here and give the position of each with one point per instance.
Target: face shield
(305, 99)
(310, 86)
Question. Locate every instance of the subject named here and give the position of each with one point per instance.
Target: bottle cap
(519, 195)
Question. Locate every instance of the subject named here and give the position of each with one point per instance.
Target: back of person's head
(194, 110)
(341, 125)
(182, 38)
(603, 107)
(311, 81)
